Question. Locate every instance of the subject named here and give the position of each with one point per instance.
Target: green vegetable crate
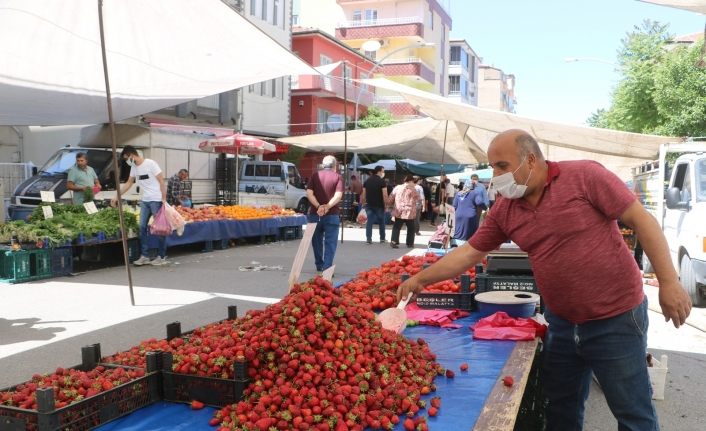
(24, 265)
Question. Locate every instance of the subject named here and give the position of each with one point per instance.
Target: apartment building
(496, 90)
(260, 109)
(463, 72)
(408, 38)
(318, 101)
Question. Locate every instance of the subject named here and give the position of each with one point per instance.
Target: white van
(272, 183)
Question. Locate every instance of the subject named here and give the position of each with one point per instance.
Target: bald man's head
(519, 140)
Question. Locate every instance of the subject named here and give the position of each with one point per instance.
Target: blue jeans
(325, 239)
(147, 209)
(375, 215)
(614, 350)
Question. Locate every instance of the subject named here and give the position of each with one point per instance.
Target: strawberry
(196, 405)
(464, 367)
(433, 411)
(450, 374)
(408, 424)
(508, 381)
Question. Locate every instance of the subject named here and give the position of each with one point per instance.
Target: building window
(274, 88)
(455, 57)
(371, 16)
(348, 71)
(253, 7)
(321, 120)
(454, 84)
(264, 10)
(370, 54)
(275, 8)
(284, 83)
(357, 16)
(363, 86)
(263, 89)
(251, 88)
(431, 18)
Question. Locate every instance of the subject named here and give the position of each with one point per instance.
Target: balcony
(321, 86)
(409, 66)
(381, 28)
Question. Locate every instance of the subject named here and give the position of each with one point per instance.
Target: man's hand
(322, 210)
(114, 202)
(409, 285)
(675, 303)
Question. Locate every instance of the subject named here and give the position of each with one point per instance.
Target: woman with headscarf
(404, 197)
(465, 202)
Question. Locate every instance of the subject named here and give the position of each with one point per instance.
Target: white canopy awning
(159, 53)
(698, 6)
(616, 150)
(421, 140)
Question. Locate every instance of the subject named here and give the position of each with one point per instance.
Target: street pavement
(44, 324)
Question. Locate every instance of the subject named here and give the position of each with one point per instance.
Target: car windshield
(63, 160)
(701, 180)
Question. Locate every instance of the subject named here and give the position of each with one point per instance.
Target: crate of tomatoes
(448, 294)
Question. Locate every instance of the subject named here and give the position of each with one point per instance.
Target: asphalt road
(44, 324)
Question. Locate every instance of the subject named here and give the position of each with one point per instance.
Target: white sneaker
(157, 261)
(141, 261)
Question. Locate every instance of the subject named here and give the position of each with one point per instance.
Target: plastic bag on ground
(500, 326)
(160, 226)
(176, 221)
(362, 216)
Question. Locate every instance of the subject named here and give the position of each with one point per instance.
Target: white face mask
(506, 185)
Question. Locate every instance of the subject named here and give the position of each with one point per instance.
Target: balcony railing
(384, 21)
(329, 86)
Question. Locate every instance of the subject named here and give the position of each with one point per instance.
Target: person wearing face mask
(149, 177)
(477, 185)
(563, 214)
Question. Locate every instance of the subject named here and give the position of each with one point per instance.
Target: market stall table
(476, 398)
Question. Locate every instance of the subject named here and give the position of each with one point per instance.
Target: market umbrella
(90, 62)
(237, 144)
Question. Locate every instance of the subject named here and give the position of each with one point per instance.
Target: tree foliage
(662, 89)
(375, 117)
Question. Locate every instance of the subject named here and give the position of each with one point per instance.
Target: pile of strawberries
(377, 287)
(70, 386)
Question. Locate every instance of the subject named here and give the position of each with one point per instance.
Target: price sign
(48, 213)
(90, 207)
(47, 196)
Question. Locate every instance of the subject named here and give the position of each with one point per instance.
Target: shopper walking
(465, 203)
(324, 191)
(81, 179)
(404, 198)
(564, 216)
(484, 197)
(373, 200)
(148, 176)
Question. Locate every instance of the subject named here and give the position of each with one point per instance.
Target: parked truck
(675, 193)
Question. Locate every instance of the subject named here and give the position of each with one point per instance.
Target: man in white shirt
(149, 177)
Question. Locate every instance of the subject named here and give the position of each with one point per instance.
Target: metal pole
(116, 169)
(443, 152)
(345, 138)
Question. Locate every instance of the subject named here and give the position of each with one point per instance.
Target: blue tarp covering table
(463, 397)
(214, 230)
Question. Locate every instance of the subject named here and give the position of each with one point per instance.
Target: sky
(531, 39)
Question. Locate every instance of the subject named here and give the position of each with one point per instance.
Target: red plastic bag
(160, 226)
(500, 326)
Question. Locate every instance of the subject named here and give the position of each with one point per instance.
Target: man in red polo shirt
(564, 216)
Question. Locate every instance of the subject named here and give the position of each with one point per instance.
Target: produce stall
(318, 359)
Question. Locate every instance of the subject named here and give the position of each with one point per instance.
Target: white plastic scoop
(395, 319)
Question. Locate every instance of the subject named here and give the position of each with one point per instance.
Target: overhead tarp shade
(616, 150)
(428, 169)
(387, 164)
(160, 53)
(421, 140)
(698, 6)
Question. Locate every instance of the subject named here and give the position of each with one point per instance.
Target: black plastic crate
(86, 414)
(213, 391)
(449, 301)
(289, 233)
(62, 261)
(486, 282)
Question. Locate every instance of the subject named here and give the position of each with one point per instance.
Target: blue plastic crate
(62, 261)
